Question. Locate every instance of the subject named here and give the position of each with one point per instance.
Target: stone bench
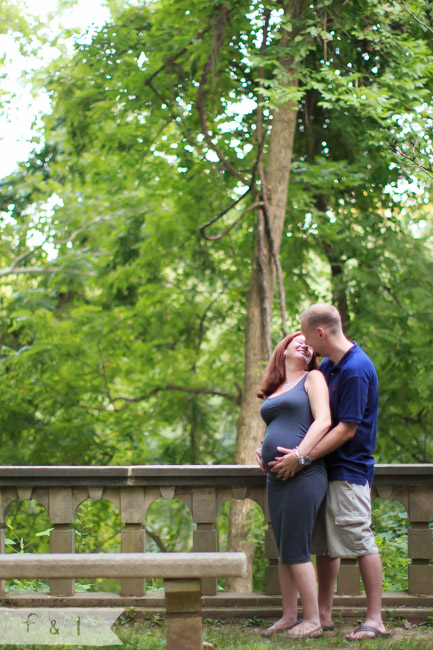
(182, 574)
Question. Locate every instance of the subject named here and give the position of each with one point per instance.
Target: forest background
(206, 170)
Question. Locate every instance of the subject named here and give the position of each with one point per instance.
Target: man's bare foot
(326, 620)
(368, 631)
(328, 627)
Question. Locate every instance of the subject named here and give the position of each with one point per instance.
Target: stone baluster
(2, 550)
(272, 581)
(184, 614)
(420, 571)
(61, 512)
(6, 497)
(205, 538)
(349, 579)
(133, 540)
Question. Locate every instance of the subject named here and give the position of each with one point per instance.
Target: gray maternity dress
(293, 504)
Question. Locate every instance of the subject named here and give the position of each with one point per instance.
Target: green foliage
(169, 526)
(26, 532)
(391, 530)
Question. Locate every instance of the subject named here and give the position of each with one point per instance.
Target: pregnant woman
(296, 411)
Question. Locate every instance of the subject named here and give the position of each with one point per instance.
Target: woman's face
(298, 349)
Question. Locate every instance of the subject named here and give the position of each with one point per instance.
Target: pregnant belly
(274, 439)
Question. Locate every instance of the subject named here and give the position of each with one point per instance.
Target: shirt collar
(343, 359)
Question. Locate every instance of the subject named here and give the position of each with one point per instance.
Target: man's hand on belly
(285, 466)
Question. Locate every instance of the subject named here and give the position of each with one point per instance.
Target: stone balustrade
(204, 489)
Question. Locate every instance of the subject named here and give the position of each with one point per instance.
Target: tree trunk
(339, 297)
(250, 426)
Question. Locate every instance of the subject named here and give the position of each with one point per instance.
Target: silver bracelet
(299, 456)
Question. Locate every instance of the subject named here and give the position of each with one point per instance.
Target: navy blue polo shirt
(354, 392)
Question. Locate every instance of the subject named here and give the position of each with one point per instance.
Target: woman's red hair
(275, 373)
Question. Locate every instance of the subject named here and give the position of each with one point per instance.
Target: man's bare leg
(370, 567)
(327, 571)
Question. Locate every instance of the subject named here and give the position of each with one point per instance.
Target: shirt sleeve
(353, 399)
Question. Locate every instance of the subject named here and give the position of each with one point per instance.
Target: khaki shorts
(343, 525)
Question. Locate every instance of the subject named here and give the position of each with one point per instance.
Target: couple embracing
(317, 452)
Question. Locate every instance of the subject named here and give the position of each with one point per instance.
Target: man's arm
(288, 465)
(340, 434)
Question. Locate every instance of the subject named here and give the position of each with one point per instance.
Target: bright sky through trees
(20, 107)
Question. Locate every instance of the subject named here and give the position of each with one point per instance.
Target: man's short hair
(322, 315)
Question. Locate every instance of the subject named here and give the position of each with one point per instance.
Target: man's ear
(321, 332)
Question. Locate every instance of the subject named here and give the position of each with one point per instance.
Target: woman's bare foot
(285, 623)
(306, 630)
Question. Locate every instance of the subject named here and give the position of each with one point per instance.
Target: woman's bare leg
(289, 597)
(289, 594)
(305, 580)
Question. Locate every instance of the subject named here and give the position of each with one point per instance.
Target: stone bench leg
(184, 616)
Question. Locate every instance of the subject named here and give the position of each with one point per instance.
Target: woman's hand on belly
(285, 466)
(259, 458)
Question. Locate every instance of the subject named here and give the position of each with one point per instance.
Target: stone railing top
(181, 475)
(122, 565)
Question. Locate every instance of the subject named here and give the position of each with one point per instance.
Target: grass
(245, 635)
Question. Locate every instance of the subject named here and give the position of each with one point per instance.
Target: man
(348, 448)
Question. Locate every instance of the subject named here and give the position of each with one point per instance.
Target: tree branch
(183, 389)
(219, 26)
(31, 270)
(201, 331)
(223, 212)
(171, 59)
(227, 230)
(80, 230)
(259, 119)
(411, 159)
(266, 198)
(156, 538)
(275, 256)
(266, 294)
(14, 269)
(400, 4)
(104, 376)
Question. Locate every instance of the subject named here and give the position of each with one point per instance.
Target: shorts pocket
(350, 520)
(351, 531)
